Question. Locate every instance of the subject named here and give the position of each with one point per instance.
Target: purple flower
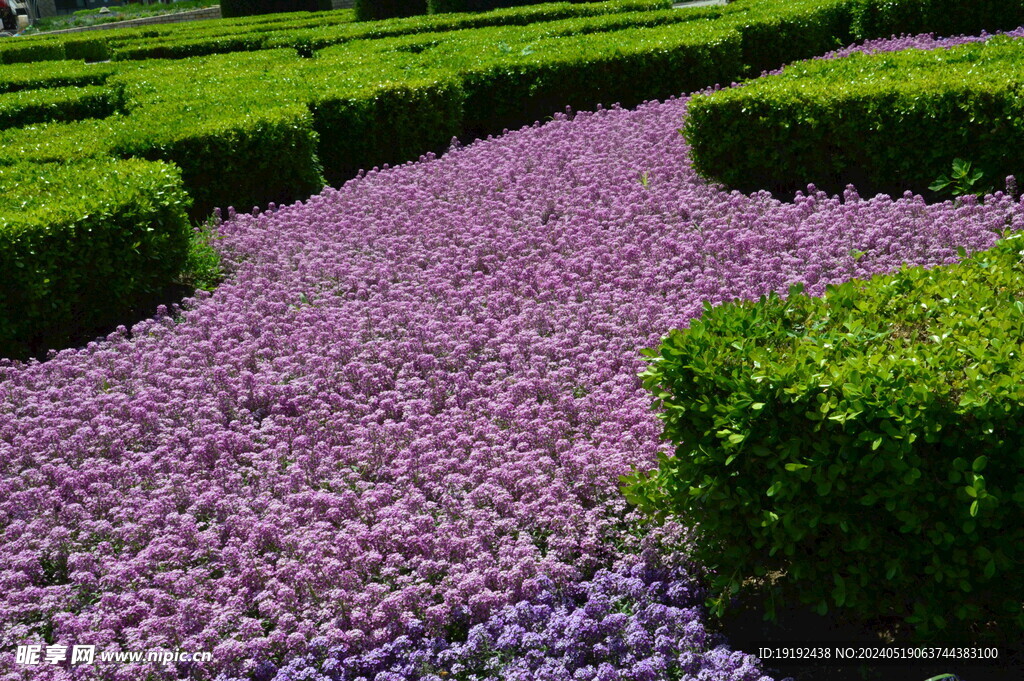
(407, 409)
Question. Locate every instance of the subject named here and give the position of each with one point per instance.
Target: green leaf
(839, 592)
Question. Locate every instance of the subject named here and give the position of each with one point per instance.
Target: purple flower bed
(408, 407)
(637, 623)
(925, 41)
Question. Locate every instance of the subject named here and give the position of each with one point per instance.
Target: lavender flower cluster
(410, 403)
(636, 623)
(924, 41)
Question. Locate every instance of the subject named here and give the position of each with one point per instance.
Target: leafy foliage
(883, 18)
(962, 180)
(25, 107)
(886, 122)
(867, 444)
(79, 243)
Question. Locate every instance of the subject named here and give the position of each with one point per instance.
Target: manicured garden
(388, 445)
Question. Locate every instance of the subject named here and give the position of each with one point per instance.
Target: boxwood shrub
(778, 33)
(886, 122)
(25, 107)
(359, 128)
(865, 445)
(80, 243)
(86, 49)
(53, 74)
(242, 157)
(884, 18)
(18, 51)
(60, 142)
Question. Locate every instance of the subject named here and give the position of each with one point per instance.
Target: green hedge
(531, 79)
(310, 34)
(867, 445)
(625, 13)
(25, 107)
(385, 123)
(243, 8)
(777, 33)
(52, 74)
(242, 157)
(449, 6)
(862, 19)
(883, 18)
(60, 142)
(20, 51)
(237, 125)
(90, 49)
(886, 123)
(81, 243)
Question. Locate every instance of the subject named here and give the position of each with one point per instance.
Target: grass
(93, 17)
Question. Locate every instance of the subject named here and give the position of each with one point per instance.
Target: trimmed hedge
(81, 243)
(314, 35)
(243, 8)
(884, 18)
(866, 444)
(778, 33)
(25, 107)
(52, 74)
(449, 6)
(886, 122)
(89, 49)
(60, 142)
(242, 157)
(863, 19)
(237, 125)
(385, 123)
(20, 51)
(532, 79)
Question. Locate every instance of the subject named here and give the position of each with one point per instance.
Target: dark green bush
(80, 243)
(244, 8)
(511, 84)
(369, 10)
(886, 123)
(883, 18)
(866, 444)
(624, 13)
(389, 123)
(87, 49)
(776, 34)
